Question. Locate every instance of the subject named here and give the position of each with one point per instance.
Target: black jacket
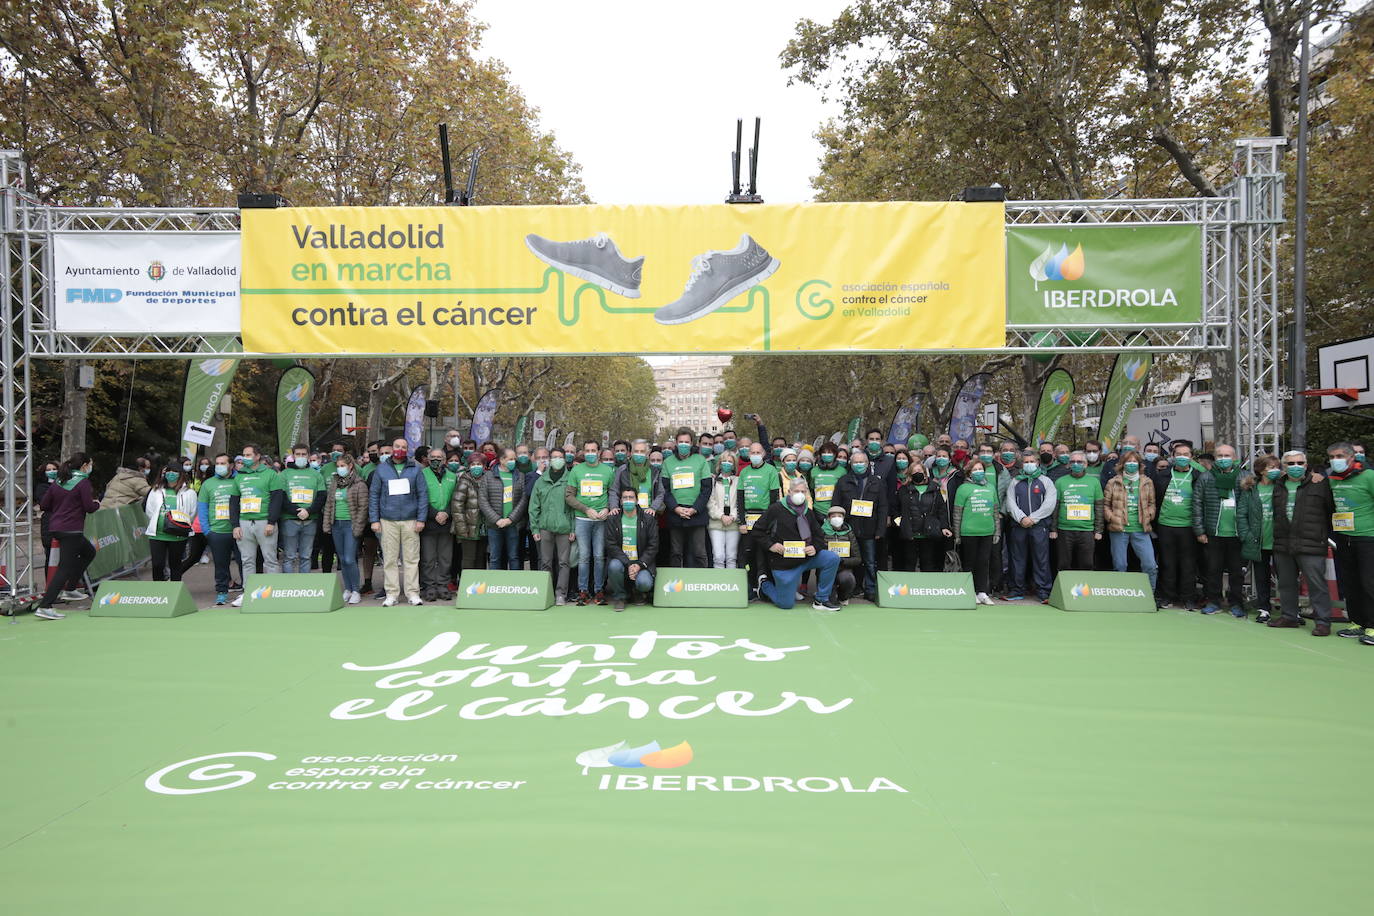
(646, 540)
(780, 524)
(870, 487)
(923, 514)
(1304, 530)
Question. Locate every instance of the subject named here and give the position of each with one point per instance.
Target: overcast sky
(644, 95)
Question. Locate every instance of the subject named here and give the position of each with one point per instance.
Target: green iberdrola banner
(1123, 390)
(1055, 400)
(852, 432)
(118, 538)
(1102, 591)
(1104, 275)
(207, 381)
(292, 593)
(926, 590)
(504, 590)
(677, 587)
(294, 389)
(142, 599)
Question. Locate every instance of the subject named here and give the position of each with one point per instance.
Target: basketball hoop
(354, 430)
(1345, 394)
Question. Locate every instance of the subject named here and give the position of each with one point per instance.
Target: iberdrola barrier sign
(504, 590)
(1102, 591)
(927, 590)
(677, 587)
(142, 599)
(292, 593)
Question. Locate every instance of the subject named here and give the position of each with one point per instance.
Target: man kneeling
(631, 547)
(795, 535)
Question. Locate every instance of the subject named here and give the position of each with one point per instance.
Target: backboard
(1348, 364)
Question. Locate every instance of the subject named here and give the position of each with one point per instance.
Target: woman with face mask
(551, 522)
(170, 505)
(863, 496)
(343, 519)
(974, 519)
(796, 542)
(465, 514)
(67, 503)
(1130, 508)
(723, 529)
(1255, 524)
(925, 520)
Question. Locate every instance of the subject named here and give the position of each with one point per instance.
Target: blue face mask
(790, 465)
(628, 505)
(718, 448)
(343, 471)
(1274, 473)
(316, 465)
(859, 467)
(475, 470)
(979, 476)
(1182, 462)
(1296, 470)
(684, 449)
(171, 476)
(804, 465)
(1340, 465)
(589, 457)
(221, 470)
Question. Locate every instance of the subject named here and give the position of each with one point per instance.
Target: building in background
(687, 389)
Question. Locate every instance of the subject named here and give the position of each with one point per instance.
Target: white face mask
(796, 499)
(454, 441)
(1029, 466)
(837, 522)
(1092, 457)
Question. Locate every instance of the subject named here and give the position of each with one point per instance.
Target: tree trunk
(73, 411)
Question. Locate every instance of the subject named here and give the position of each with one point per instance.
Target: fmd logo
(94, 295)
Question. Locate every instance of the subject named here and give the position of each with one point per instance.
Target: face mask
(398, 455)
(510, 464)
(523, 461)
(436, 463)
(343, 470)
(1133, 467)
(790, 465)
(1340, 465)
(1030, 467)
(467, 453)
(204, 468)
(186, 466)
(628, 505)
(316, 465)
(1274, 473)
(718, 448)
(639, 459)
(1152, 456)
(1077, 467)
(301, 461)
(705, 451)
(51, 475)
(985, 457)
(756, 460)
(655, 464)
(684, 449)
(619, 457)
(1061, 459)
(960, 456)
(837, 522)
(171, 476)
(221, 470)
(1046, 457)
(797, 499)
(730, 445)
(918, 477)
(335, 456)
(1092, 457)
(804, 465)
(942, 462)
(475, 470)
(454, 441)
(557, 462)
(1182, 462)
(454, 466)
(841, 462)
(248, 463)
(859, 467)
(1225, 463)
(903, 464)
(727, 467)
(827, 461)
(777, 450)
(979, 476)
(373, 457)
(1008, 457)
(147, 471)
(874, 447)
(1296, 470)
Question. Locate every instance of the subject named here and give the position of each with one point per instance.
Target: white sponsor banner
(146, 282)
(1163, 423)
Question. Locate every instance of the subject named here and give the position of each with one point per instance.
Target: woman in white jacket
(723, 527)
(172, 493)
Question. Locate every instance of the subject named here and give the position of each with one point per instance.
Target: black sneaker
(829, 604)
(1263, 617)
(1367, 640)
(1351, 632)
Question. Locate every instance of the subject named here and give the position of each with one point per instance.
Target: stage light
(267, 201)
(993, 193)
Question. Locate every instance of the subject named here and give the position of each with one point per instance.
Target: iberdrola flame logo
(648, 755)
(1081, 590)
(477, 588)
(297, 393)
(1133, 369)
(110, 599)
(672, 585)
(895, 591)
(1058, 396)
(263, 592)
(216, 366)
(1054, 266)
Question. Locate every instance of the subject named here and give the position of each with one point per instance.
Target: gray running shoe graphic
(595, 260)
(717, 277)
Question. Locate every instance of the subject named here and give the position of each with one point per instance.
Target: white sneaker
(353, 597)
(204, 559)
(237, 602)
(47, 613)
(73, 595)
(415, 600)
(983, 598)
(389, 601)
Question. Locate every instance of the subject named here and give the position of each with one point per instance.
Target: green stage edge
(1054, 763)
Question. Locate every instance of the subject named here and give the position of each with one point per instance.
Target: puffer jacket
(1207, 497)
(465, 509)
(548, 509)
(845, 534)
(128, 488)
(1304, 530)
(924, 515)
(722, 501)
(1249, 520)
(491, 492)
(624, 481)
(1114, 506)
(355, 490)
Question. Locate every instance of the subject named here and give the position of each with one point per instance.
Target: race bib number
(684, 480)
(592, 486)
(302, 495)
(631, 552)
(839, 547)
(221, 512)
(1343, 521)
(794, 549)
(863, 508)
(825, 492)
(1079, 512)
(751, 520)
(644, 500)
(398, 487)
(508, 493)
(250, 505)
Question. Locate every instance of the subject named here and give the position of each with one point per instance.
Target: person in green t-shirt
(1129, 506)
(219, 519)
(1352, 529)
(1177, 541)
(825, 475)
(171, 494)
(758, 487)
(261, 502)
(1257, 505)
(974, 520)
(440, 472)
(687, 484)
(304, 488)
(1078, 518)
(588, 492)
(324, 552)
(1214, 506)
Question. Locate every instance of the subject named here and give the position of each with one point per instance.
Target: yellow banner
(578, 280)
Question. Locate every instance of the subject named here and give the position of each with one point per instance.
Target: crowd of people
(1212, 532)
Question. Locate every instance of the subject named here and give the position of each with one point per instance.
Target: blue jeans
(222, 546)
(868, 550)
(1144, 549)
(591, 553)
(782, 588)
(346, 546)
(503, 547)
(297, 541)
(615, 578)
(1029, 546)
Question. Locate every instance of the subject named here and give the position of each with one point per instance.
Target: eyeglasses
(1296, 464)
